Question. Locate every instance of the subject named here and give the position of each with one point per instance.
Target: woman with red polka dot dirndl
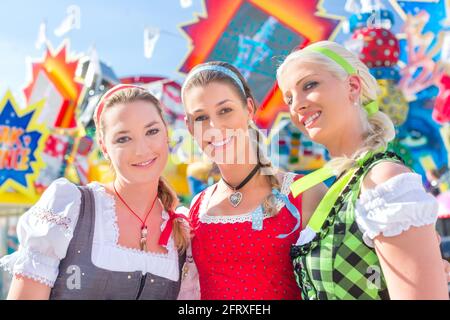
(244, 225)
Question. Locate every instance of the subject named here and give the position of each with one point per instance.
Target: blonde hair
(166, 193)
(378, 128)
(205, 77)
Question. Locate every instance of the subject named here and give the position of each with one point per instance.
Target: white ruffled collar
(287, 180)
(112, 233)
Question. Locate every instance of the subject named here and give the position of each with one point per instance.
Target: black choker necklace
(236, 197)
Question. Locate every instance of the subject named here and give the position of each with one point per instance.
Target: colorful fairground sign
(254, 35)
(22, 140)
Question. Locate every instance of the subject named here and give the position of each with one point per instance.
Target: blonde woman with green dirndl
(372, 236)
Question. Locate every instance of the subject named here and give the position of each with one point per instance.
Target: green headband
(372, 106)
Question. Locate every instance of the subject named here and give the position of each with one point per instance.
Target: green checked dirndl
(337, 264)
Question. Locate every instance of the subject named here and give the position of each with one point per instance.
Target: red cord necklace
(144, 232)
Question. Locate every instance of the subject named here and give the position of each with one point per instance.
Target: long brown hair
(166, 193)
(205, 77)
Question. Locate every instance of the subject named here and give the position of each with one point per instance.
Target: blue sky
(114, 27)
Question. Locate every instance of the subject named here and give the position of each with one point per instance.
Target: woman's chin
(315, 134)
(145, 176)
(144, 179)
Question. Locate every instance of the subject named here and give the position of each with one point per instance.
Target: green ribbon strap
(326, 204)
(310, 180)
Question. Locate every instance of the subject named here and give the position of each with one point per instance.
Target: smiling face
(218, 119)
(135, 139)
(321, 105)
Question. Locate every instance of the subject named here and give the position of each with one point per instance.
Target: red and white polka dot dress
(236, 262)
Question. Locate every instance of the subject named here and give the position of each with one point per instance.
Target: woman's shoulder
(61, 185)
(392, 200)
(58, 194)
(383, 172)
(44, 233)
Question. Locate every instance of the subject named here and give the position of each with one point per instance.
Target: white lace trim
(288, 178)
(110, 209)
(109, 205)
(246, 217)
(144, 253)
(18, 262)
(108, 254)
(28, 275)
(41, 250)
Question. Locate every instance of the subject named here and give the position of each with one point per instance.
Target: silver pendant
(235, 198)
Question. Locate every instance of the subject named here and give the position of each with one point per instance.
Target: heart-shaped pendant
(235, 198)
